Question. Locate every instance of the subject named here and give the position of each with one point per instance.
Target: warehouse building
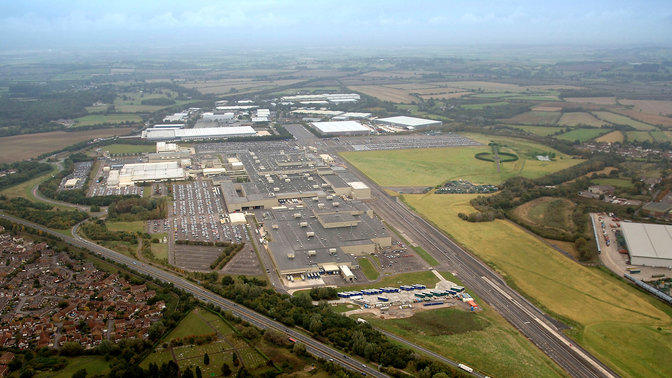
(409, 123)
(340, 128)
(201, 133)
(648, 244)
(130, 174)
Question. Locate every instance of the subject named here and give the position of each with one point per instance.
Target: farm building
(337, 128)
(409, 123)
(201, 133)
(648, 244)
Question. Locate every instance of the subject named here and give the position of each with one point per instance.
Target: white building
(202, 133)
(409, 123)
(648, 244)
(335, 128)
(148, 172)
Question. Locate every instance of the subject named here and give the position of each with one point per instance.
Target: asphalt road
(540, 328)
(312, 346)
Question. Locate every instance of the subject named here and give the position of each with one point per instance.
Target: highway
(312, 346)
(487, 284)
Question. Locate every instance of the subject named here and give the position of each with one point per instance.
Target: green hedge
(504, 157)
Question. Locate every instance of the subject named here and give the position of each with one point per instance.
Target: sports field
(604, 309)
(110, 119)
(433, 166)
(21, 147)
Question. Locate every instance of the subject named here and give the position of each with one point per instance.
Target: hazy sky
(134, 23)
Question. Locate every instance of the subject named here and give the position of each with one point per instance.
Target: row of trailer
(358, 293)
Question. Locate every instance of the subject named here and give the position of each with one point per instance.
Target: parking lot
(195, 257)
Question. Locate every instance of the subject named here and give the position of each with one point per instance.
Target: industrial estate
(382, 222)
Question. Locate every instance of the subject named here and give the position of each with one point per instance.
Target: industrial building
(340, 128)
(409, 123)
(130, 174)
(648, 244)
(202, 133)
(169, 126)
(334, 98)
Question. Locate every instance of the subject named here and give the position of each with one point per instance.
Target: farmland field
(592, 100)
(539, 130)
(536, 118)
(617, 182)
(659, 136)
(240, 85)
(605, 308)
(433, 166)
(580, 118)
(483, 339)
(101, 119)
(384, 93)
(483, 106)
(650, 106)
(617, 119)
(128, 148)
(21, 147)
(582, 134)
(612, 137)
(639, 136)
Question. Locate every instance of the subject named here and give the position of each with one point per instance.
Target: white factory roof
(358, 185)
(648, 240)
(340, 126)
(152, 171)
(318, 112)
(408, 121)
(205, 132)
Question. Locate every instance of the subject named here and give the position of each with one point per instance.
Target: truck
(465, 368)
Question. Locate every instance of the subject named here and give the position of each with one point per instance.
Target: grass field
(659, 136)
(617, 182)
(160, 250)
(191, 325)
(128, 148)
(592, 100)
(548, 212)
(483, 340)
(385, 93)
(21, 147)
(536, 118)
(110, 119)
(135, 226)
(426, 278)
(433, 166)
(94, 365)
(650, 106)
(367, 268)
(580, 119)
(603, 308)
(539, 130)
(612, 137)
(618, 119)
(483, 106)
(640, 136)
(582, 134)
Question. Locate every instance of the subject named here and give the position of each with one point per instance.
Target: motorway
(487, 284)
(312, 346)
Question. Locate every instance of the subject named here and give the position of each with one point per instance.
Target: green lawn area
(129, 148)
(538, 130)
(25, 189)
(367, 268)
(483, 340)
(582, 134)
(191, 325)
(341, 307)
(613, 320)
(617, 182)
(134, 226)
(101, 119)
(94, 365)
(425, 256)
(433, 166)
(618, 119)
(428, 278)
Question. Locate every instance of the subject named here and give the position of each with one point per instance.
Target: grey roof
(648, 240)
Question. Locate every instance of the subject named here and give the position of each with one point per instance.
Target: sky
(49, 24)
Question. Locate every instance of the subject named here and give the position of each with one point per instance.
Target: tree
(81, 373)
(198, 372)
(226, 370)
(235, 359)
(299, 349)
(188, 373)
(206, 359)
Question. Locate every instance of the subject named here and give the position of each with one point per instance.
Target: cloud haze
(59, 24)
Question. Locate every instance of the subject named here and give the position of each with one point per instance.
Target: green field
(129, 148)
(191, 325)
(617, 182)
(483, 106)
(618, 119)
(101, 119)
(160, 250)
(659, 136)
(135, 226)
(426, 278)
(603, 309)
(367, 268)
(25, 189)
(433, 166)
(536, 118)
(548, 212)
(94, 365)
(640, 136)
(580, 119)
(538, 130)
(582, 135)
(483, 340)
